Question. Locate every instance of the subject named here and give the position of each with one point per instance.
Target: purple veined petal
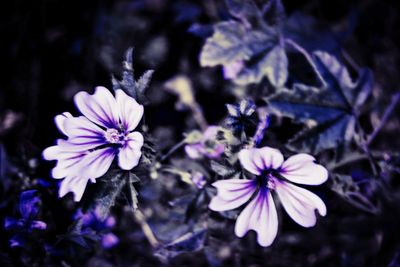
(59, 120)
(260, 215)
(130, 111)
(232, 193)
(82, 127)
(193, 151)
(96, 163)
(246, 159)
(232, 188)
(100, 108)
(80, 144)
(109, 240)
(38, 225)
(271, 158)
(129, 155)
(300, 204)
(67, 165)
(301, 169)
(73, 184)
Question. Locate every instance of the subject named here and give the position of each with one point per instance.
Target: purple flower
(198, 179)
(29, 210)
(208, 146)
(109, 240)
(272, 174)
(94, 221)
(93, 141)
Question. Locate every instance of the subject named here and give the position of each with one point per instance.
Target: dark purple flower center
(268, 179)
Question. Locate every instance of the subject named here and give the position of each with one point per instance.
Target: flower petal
(129, 155)
(60, 119)
(271, 158)
(193, 151)
(246, 159)
(300, 204)
(109, 240)
(73, 184)
(232, 193)
(261, 216)
(68, 165)
(38, 225)
(96, 163)
(82, 127)
(80, 144)
(100, 108)
(301, 169)
(130, 111)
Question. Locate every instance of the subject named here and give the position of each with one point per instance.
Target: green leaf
(189, 242)
(232, 42)
(128, 84)
(102, 195)
(274, 65)
(351, 191)
(130, 191)
(329, 113)
(221, 169)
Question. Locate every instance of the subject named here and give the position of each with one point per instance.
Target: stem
(148, 233)
(394, 101)
(198, 116)
(308, 58)
(172, 150)
(261, 127)
(364, 147)
(350, 60)
(348, 160)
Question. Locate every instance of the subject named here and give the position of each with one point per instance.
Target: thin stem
(261, 127)
(172, 150)
(148, 233)
(350, 60)
(308, 58)
(385, 117)
(364, 147)
(348, 160)
(199, 116)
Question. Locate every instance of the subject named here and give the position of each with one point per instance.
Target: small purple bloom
(198, 179)
(272, 174)
(94, 221)
(93, 141)
(208, 146)
(29, 209)
(232, 70)
(109, 240)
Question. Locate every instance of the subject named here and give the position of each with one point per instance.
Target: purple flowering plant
(260, 140)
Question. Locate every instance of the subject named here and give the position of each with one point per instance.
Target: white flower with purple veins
(105, 131)
(272, 173)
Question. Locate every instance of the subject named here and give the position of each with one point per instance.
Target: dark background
(49, 50)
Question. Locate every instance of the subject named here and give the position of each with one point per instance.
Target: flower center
(113, 136)
(266, 179)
